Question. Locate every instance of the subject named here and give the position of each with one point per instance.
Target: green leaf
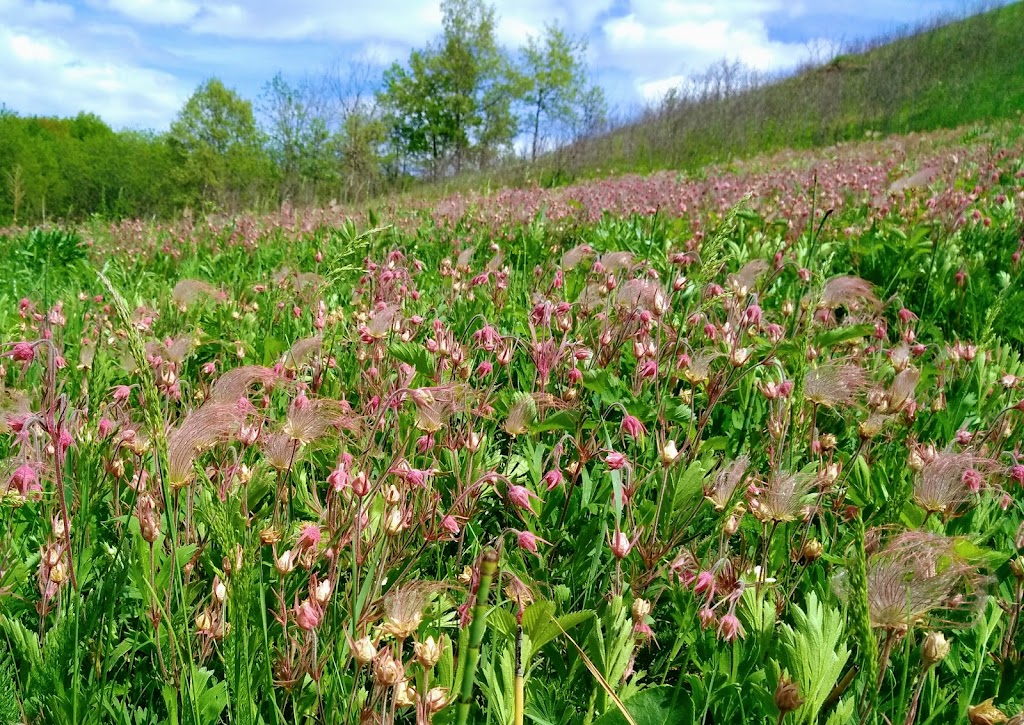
(653, 706)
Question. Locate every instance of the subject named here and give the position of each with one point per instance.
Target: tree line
(461, 103)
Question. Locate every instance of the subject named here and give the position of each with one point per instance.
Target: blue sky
(135, 62)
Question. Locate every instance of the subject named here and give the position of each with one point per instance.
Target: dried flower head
(726, 482)
(849, 292)
(784, 497)
(832, 384)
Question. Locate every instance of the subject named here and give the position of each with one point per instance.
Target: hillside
(940, 77)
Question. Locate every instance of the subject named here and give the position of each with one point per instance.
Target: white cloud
(157, 12)
(676, 39)
(35, 12)
(45, 75)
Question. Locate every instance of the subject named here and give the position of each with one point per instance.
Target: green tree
(216, 144)
(299, 139)
(556, 98)
(451, 104)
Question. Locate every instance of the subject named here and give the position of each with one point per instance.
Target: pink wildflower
(520, 496)
(554, 478)
(632, 427)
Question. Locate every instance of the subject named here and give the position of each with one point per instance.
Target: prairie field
(741, 446)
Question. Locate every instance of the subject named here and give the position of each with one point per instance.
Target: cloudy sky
(134, 62)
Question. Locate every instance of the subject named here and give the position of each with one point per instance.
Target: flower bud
(934, 649)
(387, 670)
(985, 713)
(427, 652)
(363, 651)
(811, 550)
(436, 699)
(787, 695)
(220, 592)
(669, 453)
(405, 694)
(641, 609)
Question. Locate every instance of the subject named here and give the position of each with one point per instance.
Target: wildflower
(520, 496)
(620, 544)
(934, 649)
(449, 524)
(554, 478)
(787, 695)
(783, 498)
(704, 583)
(308, 615)
(985, 713)
(707, 618)
(405, 694)
(309, 537)
(403, 609)
(726, 483)
(427, 652)
(632, 427)
(387, 669)
(24, 480)
(528, 541)
(730, 628)
(436, 699)
(363, 651)
(615, 460)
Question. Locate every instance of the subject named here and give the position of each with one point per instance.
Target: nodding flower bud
(220, 592)
(620, 545)
(934, 649)
(811, 551)
(632, 427)
(427, 652)
(363, 651)
(787, 695)
(641, 609)
(436, 699)
(668, 454)
(285, 563)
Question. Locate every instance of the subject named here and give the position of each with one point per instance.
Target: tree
(556, 96)
(217, 146)
(299, 137)
(451, 104)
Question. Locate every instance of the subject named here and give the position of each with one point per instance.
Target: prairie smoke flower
(833, 384)
(363, 651)
(25, 480)
(450, 524)
(726, 482)
(730, 628)
(849, 292)
(387, 669)
(210, 424)
(946, 479)
(986, 713)
(783, 498)
(615, 460)
(521, 414)
(554, 478)
(632, 427)
(668, 453)
(520, 496)
(235, 384)
(704, 583)
(912, 576)
(309, 537)
(427, 652)
(528, 541)
(403, 608)
(707, 618)
(308, 615)
(620, 545)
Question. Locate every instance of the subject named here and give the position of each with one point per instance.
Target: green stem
(488, 567)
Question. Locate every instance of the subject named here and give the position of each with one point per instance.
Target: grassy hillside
(943, 76)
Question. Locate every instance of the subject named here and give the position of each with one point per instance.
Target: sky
(135, 62)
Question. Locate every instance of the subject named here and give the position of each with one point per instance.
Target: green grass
(941, 77)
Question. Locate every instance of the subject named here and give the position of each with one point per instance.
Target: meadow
(742, 446)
